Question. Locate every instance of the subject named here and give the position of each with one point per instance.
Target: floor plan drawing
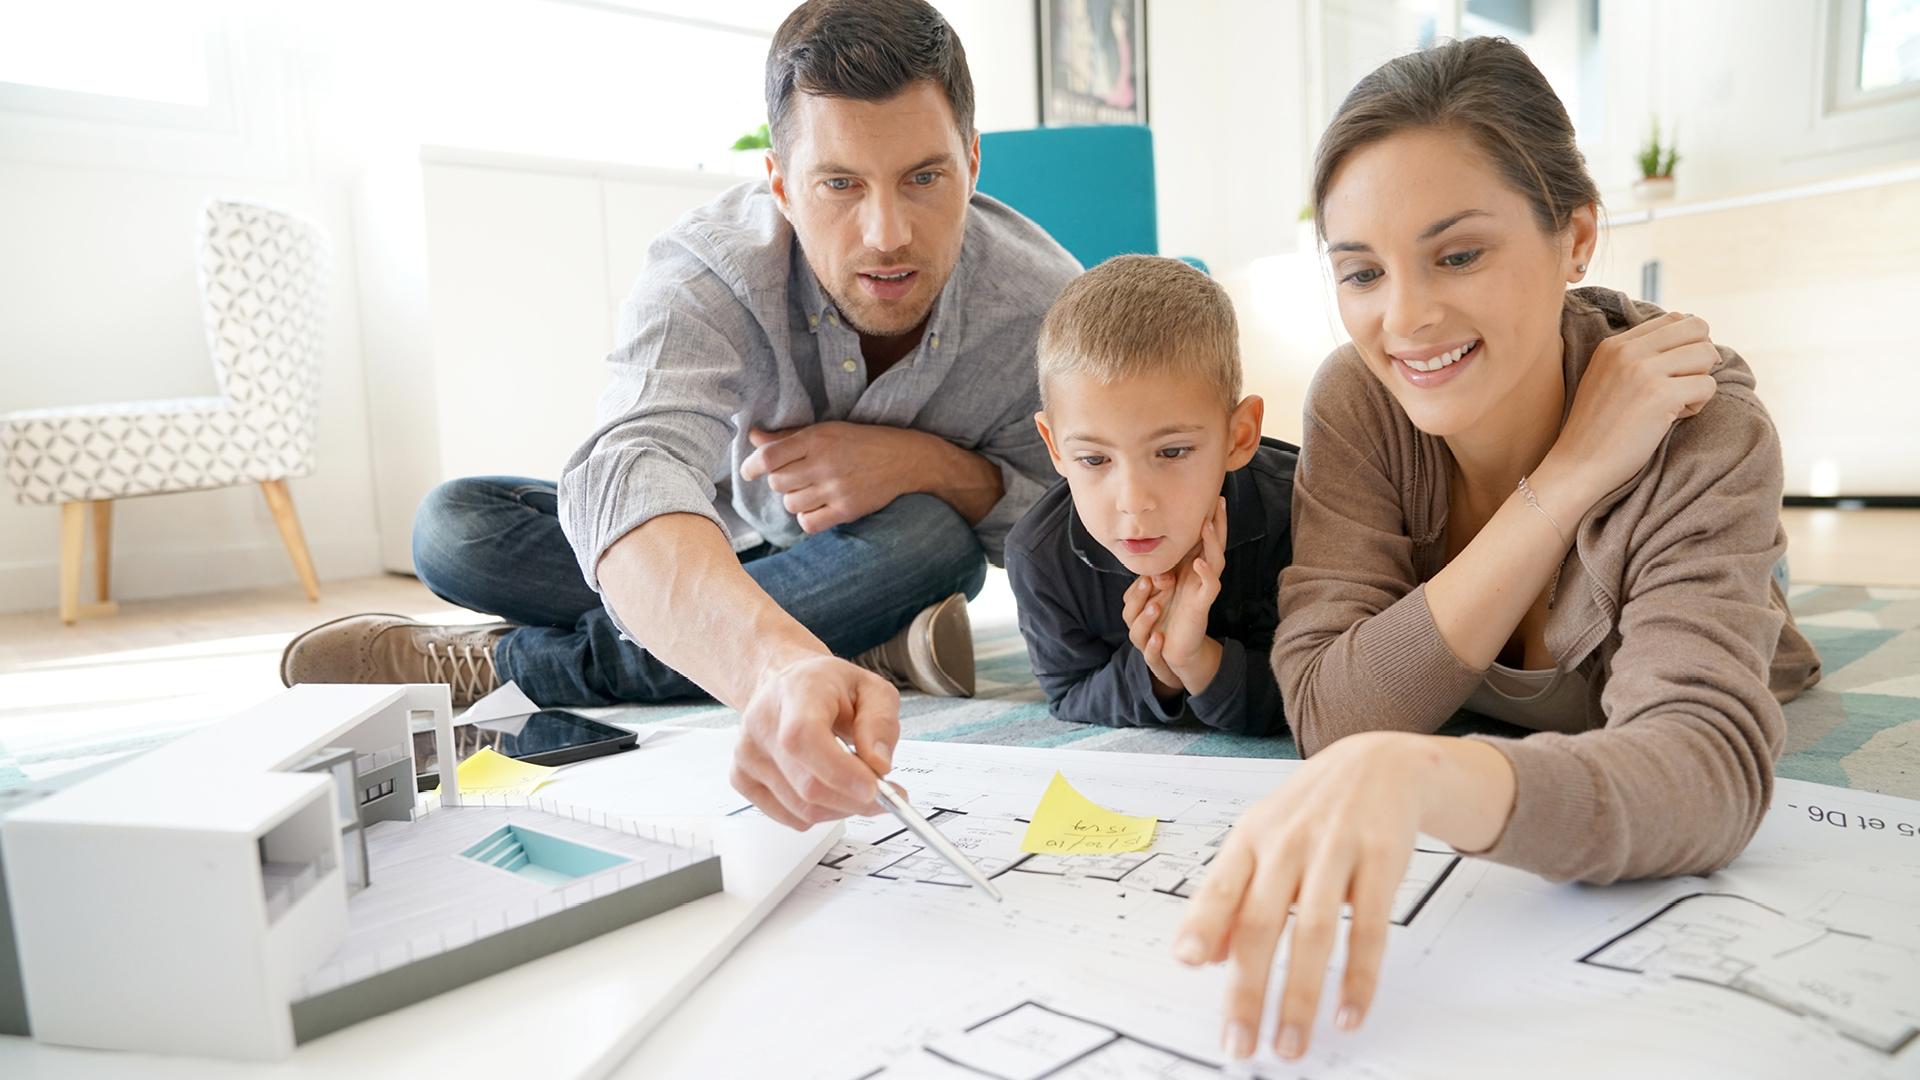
(1173, 865)
(1133, 901)
(1034, 1042)
(1039, 1038)
(1793, 961)
(1820, 964)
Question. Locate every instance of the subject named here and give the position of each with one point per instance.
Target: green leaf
(757, 139)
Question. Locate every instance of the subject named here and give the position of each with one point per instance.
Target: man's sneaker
(934, 654)
(396, 649)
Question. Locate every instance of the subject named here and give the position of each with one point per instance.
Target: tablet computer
(549, 737)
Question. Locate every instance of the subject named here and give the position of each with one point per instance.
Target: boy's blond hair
(1137, 315)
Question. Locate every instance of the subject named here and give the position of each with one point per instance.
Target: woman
(1557, 507)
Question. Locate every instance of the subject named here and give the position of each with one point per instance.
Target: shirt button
(834, 319)
(849, 366)
(813, 321)
(934, 342)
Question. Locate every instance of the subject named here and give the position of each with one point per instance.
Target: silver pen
(895, 800)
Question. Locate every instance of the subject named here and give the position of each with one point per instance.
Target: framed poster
(1093, 62)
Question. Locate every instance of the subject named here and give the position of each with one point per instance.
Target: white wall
(492, 296)
(98, 302)
(97, 297)
(999, 38)
(1745, 81)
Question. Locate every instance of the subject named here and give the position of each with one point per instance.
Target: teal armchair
(1090, 187)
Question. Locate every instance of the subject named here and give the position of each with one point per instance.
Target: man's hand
(831, 473)
(790, 760)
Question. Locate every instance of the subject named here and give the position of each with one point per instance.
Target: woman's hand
(1339, 832)
(1638, 383)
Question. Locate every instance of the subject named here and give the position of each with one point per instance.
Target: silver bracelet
(1526, 492)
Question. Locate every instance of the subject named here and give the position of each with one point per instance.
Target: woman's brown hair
(1486, 88)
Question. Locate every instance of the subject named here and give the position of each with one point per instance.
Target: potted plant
(750, 152)
(1656, 167)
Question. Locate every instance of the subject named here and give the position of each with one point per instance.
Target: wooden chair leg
(281, 503)
(73, 548)
(73, 541)
(103, 549)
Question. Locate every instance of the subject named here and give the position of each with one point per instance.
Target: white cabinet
(490, 286)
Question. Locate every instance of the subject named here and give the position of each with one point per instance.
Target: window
(145, 61)
(641, 83)
(1873, 52)
(1889, 44)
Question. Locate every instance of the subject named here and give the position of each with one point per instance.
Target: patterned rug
(1859, 728)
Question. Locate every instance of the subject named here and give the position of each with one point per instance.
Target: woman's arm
(1637, 384)
(1354, 652)
(1683, 772)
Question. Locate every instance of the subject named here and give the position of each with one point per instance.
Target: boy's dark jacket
(1071, 589)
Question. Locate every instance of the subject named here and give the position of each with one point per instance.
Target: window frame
(1846, 37)
(218, 115)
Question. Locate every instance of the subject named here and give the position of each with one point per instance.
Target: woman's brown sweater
(1666, 603)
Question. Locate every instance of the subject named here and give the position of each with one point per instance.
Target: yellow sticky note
(1068, 823)
(489, 772)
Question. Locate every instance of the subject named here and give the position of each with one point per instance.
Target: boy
(1147, 578)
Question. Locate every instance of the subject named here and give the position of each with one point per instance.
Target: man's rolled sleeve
(607, 493)
(668, 416)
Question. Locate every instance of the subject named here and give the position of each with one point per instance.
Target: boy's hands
(1166, 614)
(1146, 601)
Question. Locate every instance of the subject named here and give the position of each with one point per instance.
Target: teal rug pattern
(1859, 728)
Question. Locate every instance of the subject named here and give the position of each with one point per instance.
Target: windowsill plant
(1656, 167)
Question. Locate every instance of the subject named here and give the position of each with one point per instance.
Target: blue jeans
(494, 544)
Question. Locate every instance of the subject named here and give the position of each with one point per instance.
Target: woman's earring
(1581, 268)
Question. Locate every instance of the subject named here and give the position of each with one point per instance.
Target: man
(818, 433)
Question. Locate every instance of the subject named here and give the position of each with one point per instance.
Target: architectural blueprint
(1033, 1039)
(1796, 961)
(1815, 966)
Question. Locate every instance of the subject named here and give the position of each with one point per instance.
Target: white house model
(270, 878)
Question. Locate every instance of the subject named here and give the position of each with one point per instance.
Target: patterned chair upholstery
(263, 288)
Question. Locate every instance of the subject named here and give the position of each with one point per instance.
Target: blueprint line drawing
(1820, 964)
(1031, 1041)
(1036, 1039)
(1172, 866)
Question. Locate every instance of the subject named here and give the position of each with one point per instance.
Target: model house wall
(176, 903)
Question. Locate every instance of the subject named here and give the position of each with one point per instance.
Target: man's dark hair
(867, 50)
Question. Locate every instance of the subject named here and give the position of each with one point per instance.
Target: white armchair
(263, 288)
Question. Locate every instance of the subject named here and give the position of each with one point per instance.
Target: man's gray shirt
(727, 329)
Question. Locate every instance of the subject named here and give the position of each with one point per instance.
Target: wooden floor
(1854, 547)
(72, 694)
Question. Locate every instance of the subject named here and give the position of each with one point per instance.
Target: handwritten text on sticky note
(488, 772)
(1068, 823)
